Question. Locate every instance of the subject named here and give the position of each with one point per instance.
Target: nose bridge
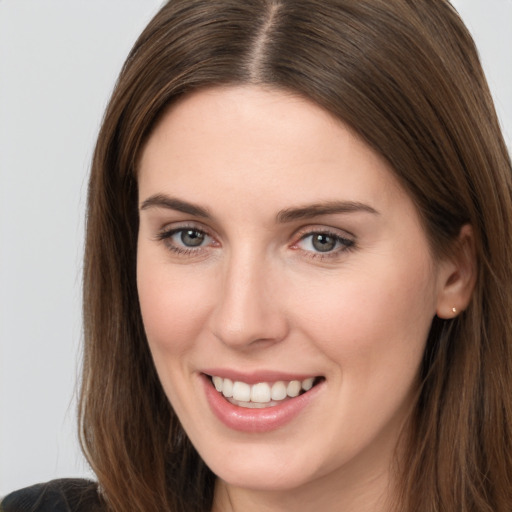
(248, 308)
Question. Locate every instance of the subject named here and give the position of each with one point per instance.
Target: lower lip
(244, 419)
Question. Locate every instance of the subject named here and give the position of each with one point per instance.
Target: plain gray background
(58, 63)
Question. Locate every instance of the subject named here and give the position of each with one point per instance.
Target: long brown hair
(406, 76)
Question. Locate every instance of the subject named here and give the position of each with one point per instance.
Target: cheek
(372, 325)
(171, 311)
(373, 331)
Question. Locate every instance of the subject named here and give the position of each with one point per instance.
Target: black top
(66, 495)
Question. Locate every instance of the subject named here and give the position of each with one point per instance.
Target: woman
(298, 267)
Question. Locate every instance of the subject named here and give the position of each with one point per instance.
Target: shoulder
(66, 495)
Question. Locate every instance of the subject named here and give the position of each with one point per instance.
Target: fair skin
(241, 271)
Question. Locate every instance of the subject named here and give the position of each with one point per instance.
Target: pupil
(323, 243)
(192, 238)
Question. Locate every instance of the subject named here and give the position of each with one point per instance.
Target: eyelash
(165, 236)
(342, 244)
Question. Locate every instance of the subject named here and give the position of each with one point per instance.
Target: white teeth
(227, 388)
(307, 384)
(217, 382)
(279, 390)
(262, 392)
(241, 391)
(293, 388)
(254, 405)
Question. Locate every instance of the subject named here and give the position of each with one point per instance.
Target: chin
(268, 466)
(256, 478)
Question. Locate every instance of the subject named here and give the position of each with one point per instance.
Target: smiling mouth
(262, 394)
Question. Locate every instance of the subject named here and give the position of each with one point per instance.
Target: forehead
(261, 147)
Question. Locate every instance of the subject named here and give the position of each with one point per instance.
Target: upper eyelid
(169, 228)
(201, 226)
(329, 230)
(173, 231)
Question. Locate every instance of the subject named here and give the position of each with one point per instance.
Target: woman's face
(276, 248)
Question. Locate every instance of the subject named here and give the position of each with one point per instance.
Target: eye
(190, 237)
(185, 239)
(324, 243)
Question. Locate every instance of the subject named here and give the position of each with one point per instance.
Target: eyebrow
(327, 208)
(284, 216)
(171, 203)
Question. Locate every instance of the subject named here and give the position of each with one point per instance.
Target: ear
(457, 276)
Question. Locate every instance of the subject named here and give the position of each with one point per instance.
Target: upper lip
(254, 377)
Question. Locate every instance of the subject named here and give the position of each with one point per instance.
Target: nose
(249, 311)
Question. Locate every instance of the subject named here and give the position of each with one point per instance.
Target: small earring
(454, 311)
